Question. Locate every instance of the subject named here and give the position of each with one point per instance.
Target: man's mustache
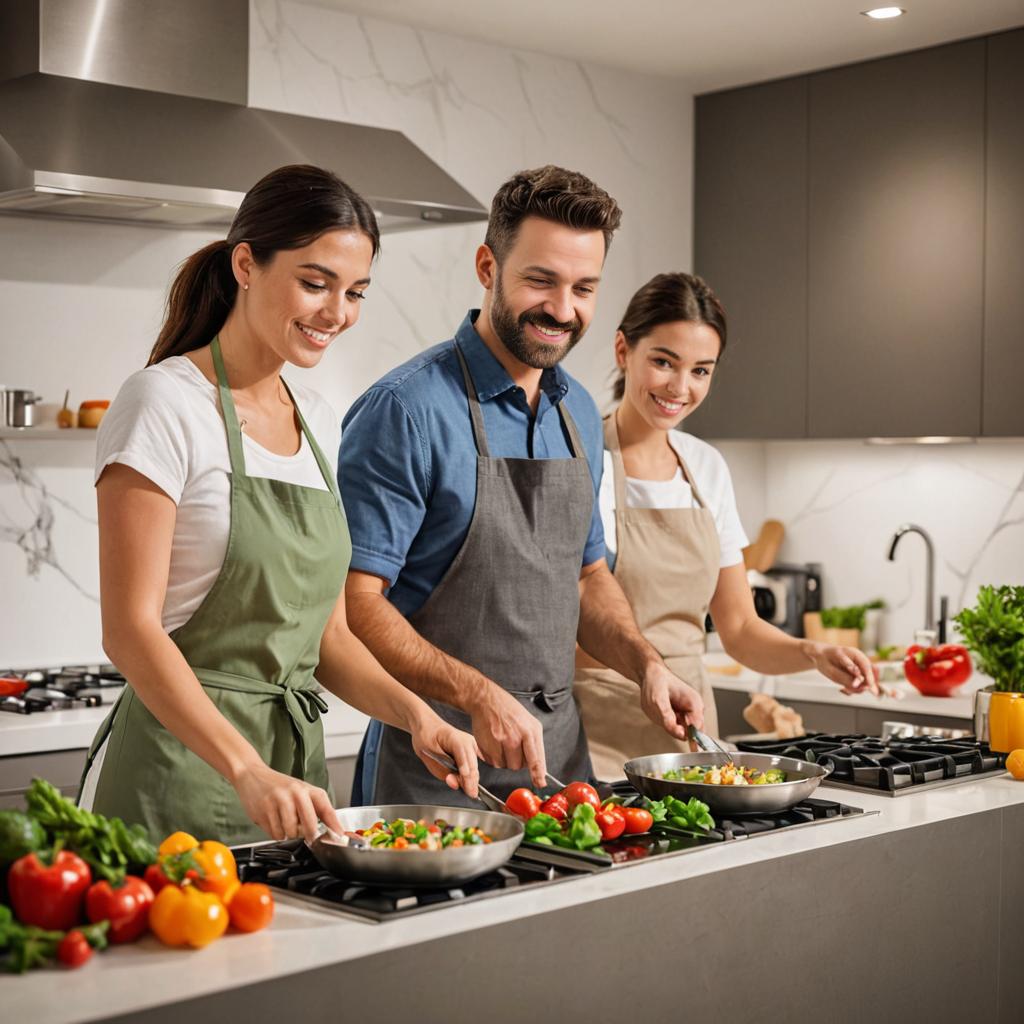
(543, 320)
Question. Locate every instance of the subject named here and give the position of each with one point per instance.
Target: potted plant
(993, 630)
(843, 626)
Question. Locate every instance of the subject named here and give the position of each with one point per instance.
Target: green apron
(253, 643)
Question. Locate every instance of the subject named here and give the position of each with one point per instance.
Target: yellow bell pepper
(175, 843)
(187, 917)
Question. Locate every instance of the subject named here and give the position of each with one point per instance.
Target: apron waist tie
(304, 702)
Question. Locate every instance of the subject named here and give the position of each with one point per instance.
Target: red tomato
(557, 806)
(637, 820)
(523, 803)
(581, 793)
(73, 950)
(126, 907)
(155, 878)
(252, 907)
(611, 821)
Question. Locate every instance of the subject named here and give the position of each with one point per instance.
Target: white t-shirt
(166, 424)
(713, 481)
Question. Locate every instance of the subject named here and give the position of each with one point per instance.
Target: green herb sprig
(993, 630)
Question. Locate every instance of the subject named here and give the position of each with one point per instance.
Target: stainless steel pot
(419, 868)
(982, 700)
(802, 779)
(19, 408)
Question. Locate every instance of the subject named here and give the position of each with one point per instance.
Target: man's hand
(507, 734)
(669, 702)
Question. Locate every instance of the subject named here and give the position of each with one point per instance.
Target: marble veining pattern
(27, 518)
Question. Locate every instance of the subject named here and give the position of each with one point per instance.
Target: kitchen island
(908, 914)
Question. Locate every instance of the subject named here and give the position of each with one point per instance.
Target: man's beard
(512, 332)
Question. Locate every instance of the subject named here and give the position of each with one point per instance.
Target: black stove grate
(290, 867)
(891, 766)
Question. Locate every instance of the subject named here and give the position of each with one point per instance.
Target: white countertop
(813, 687)
(74, 729)
(130, 978)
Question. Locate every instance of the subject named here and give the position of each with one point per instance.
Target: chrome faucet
(929, 594)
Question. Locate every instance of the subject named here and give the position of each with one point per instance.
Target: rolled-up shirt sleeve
(384, 482)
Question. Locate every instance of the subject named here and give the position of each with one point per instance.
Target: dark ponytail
(667, 299)
(287, 209)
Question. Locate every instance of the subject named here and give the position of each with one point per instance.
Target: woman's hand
(431, 733)
(282, 806)
(847, 666)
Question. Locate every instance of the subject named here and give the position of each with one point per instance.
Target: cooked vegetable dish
(727, 774)
(406, 834)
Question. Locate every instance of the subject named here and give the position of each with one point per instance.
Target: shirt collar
(490, 377)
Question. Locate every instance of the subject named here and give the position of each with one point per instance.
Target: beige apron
(667, 562)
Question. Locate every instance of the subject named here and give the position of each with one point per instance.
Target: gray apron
(509, 607)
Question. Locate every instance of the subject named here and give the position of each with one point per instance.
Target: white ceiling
(713, 44)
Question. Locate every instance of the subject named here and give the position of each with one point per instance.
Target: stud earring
(245, 287)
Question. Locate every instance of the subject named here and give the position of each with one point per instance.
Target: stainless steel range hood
(134, 111)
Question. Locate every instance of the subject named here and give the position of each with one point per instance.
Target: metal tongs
(707, 743)
(486, 797)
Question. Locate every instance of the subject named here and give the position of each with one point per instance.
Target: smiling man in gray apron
(469, 476)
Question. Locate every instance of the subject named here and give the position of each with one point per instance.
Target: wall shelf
(47, 434)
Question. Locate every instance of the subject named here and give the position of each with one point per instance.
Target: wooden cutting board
(762, 553)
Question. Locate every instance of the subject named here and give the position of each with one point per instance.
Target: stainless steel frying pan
(418, 868)
(802, 779)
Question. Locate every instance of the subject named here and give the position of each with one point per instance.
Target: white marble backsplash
(81, 303)
(842, 501)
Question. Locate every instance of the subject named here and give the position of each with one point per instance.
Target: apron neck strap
(234, 431)
(477, 416)
(227, 408)
(611, 441)
(475, 412)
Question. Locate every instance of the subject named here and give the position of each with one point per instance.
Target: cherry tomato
(557, 806)
(252, 907)
(581, 793)
(523, 803)
(637, 820)
(74, 949)
(611, 821)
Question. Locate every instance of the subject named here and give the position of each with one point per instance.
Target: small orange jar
(90, 413)
(1006, 721)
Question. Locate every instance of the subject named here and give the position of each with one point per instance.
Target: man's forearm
(608, 631)
(415, 662)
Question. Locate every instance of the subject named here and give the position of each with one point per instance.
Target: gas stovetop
(893, 767)
(57, 689)
(290, 868)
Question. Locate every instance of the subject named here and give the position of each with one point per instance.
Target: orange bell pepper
(187, 917)
(218, 872)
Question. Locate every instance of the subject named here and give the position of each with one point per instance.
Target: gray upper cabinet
(896, 153)
(750, 246)
(1003, 389)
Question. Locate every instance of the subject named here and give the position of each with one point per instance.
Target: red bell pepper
(611, 821)
(935, 671)
(49, 896)
(126, 907)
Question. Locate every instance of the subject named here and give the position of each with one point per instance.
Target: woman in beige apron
(668, 560)
(218, 731)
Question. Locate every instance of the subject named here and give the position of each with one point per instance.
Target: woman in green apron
(223, 544)
(671, 524)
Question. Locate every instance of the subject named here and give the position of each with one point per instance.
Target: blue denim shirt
(407, 466)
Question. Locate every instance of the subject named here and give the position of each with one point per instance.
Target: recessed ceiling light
(880, 13)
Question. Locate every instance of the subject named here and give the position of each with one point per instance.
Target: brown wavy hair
(552, 193)
(287, 209)
(667, 299)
